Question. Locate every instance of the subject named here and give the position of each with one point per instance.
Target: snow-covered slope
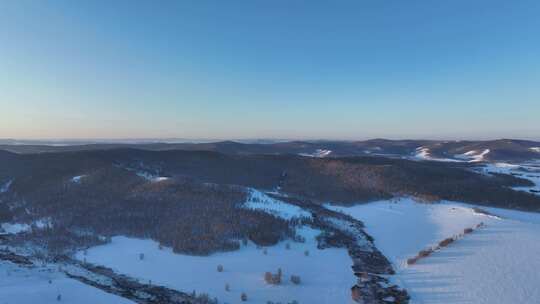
(473, 156)
(318, 153)
(326, 275)
(77, 179)
(20, 285)
(496, 264)
(258, 200)
(423, 153)
(151, 177)
(5, 187)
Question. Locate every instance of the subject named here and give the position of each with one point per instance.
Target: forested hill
(346, 180)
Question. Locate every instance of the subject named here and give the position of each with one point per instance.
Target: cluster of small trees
(273, 278)
(444, 243)
(276, 278)
(52, 241)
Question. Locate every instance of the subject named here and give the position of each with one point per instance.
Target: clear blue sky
(269, 69)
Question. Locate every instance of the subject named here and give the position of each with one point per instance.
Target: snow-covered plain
(326, 274)
(20, 285)
(497, 264)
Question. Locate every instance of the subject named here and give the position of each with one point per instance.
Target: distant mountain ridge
(510, 150)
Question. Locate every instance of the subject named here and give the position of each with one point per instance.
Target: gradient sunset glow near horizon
(270, 69)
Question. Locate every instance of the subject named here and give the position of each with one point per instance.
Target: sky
(283, 69)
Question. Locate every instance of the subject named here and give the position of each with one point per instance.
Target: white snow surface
(473, 156)
(318, 153)
(14, 228)
(151, 177)
(497, 264)
(20, 285)
(422, 153)
(326, 274)
(530, 171)
(5, 187)
(258, 200)
(77, 179)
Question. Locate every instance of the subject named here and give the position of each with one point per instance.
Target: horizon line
(177, 140)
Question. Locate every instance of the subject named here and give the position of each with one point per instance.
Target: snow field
(326, 275)
(20, 285)
(495, 264)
